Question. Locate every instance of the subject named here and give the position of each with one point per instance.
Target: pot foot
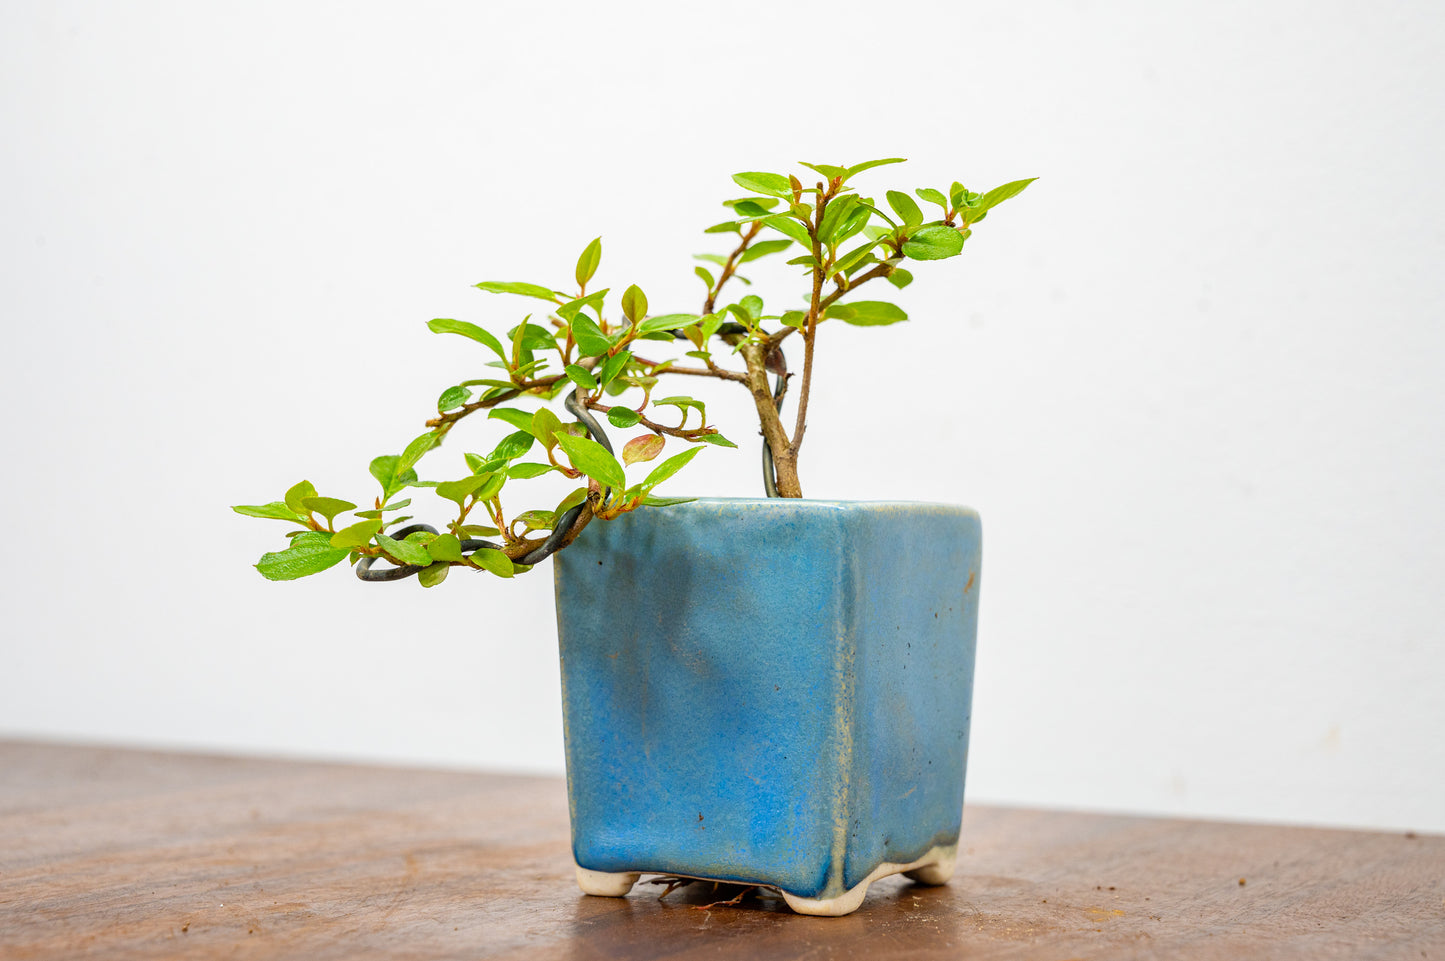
(936, 873)
(605, 884)
(845, 903)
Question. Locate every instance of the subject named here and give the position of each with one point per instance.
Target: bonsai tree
(606, 361)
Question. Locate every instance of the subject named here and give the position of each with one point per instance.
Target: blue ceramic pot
(769, 691)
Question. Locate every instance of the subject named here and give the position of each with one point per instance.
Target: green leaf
(514, 445)
(623, 417)
(416, 450)
(870, 164)
(433, 575)
(791, 227)
(838, 211)
(534, 337)
(327, 507)
(357, 535)
(643, 448)
(906, 209)
(478, 464)
(445, 325)
(571, 500)
(672, 321)
(519, 419)
(528, 470)
(310, 553)
(545, 424)
(867, 313)
(827, 170)
(581, 376)
(587, 263)
(762, 248)
(593, 301)
(774, 185)
(452, 398)
(716, 439)
(666, 501)
(900, 278)
(526, 290)
(726, 227)
(958, 195)
(408, 552)
(669, 467)
(855, 256)
(999, 194)
(634, 304)
(589, 337)
(383, 468)
(705, 276)
(933, 243)
(613, 366)
(494, 561)
(297, 494)
(751, 208)
(276, 511)
(536, 520)
(794, 318)
(932, 196)
(445, 547)
(592, 459)
(459, 490)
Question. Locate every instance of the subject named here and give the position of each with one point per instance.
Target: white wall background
(1192, 378)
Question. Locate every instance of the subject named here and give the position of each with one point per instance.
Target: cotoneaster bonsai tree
(612, 362)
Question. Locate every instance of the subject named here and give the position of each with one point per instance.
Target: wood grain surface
(120, 854)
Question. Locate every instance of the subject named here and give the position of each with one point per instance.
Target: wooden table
(129, 854)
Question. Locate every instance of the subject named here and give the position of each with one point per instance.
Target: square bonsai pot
(769, 691)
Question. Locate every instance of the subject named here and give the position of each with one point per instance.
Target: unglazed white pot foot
(605, 884)
(935, 867)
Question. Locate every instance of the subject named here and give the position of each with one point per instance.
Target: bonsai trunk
(785, 454)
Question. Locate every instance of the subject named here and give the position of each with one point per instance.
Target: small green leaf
(669, 467)
(408, 552)
(310, 553)
(383, 468)
(589, 337)
(416, 449)
(666, 501)
(933, 243)
(536, 520)
(958, 195)
(581, 376)
(791, 227)
(634, 304)
(459, 490)
(623, 417)
(432, 575)
(672, 321)
(716, 439)
(906, 209)
(726, 227)
(999, 194)
(478, 464)
(276, 511)
(297, 494)
(592, 459)
(764, 247)
(592, 301)
(932, 196)
(827, 170)
(545, 424)
(452, 398)
(613, 366)
(867, 313)
(327, 507)
(445, 325)
(794, 318)
(750, 208)
(357, 535)
(514, 445)
(774, 185)
(869, 164)
(519, 419)
(494, 561)
(643, 448)
(705, 276)
(445, 547)
(571, 500)
(753, 305)
(587, 263)
(529, 470)
(900, 278)
(839, 210)
(525, 290)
